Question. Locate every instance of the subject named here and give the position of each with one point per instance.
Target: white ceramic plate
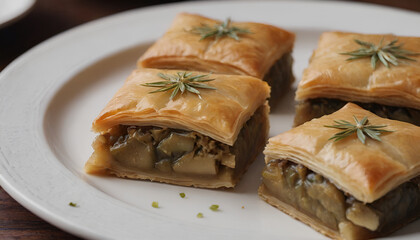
(11, 10)
(50, 95)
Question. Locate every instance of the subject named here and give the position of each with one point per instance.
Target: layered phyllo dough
(345, 189)
(331, 79)
(255, 49)
(203, 140)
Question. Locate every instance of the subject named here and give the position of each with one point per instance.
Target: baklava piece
(331, 79)
(255, 49)
(204, 140)
(346, 189)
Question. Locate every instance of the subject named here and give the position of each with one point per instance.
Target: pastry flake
(188, 140)
(261, 50)
(254, 53)
(345, 189)
(220, 114)
(330, 80)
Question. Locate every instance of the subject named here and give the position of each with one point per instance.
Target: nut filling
(181, 157)
(315, 108)
(315, 196)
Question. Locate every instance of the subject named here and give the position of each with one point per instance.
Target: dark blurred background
(46, 19)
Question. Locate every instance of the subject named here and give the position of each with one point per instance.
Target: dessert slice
(194, 42)
(358, 178)
(191, 129)
(348, 67)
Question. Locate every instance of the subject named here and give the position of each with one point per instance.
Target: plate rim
(23, 198)
(20, 14)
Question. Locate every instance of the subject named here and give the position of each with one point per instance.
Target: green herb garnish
(219, 30)
(155, 204)
(72, 204)
(182, 81)
(214, 207)
(182, 195)
(389, 53)
(361, 128)
(200, 215)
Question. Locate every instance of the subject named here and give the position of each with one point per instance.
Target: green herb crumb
(181, 82)
(72, 204)
(200, 215)
(155, 204)
(214, 207)
(182, 195)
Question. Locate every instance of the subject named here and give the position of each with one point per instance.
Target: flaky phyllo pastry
(203, 140)
(345, 189)
(331, 79)
(255, 49)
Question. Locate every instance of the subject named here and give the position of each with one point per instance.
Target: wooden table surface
(46, 19)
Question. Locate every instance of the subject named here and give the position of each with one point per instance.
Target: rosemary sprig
(389, 53)
(219, 30)
(362, 127)
(182, 81)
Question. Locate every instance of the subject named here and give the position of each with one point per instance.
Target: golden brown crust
(220, 114)
(329, 75)
(366, 171)
(252, 55)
